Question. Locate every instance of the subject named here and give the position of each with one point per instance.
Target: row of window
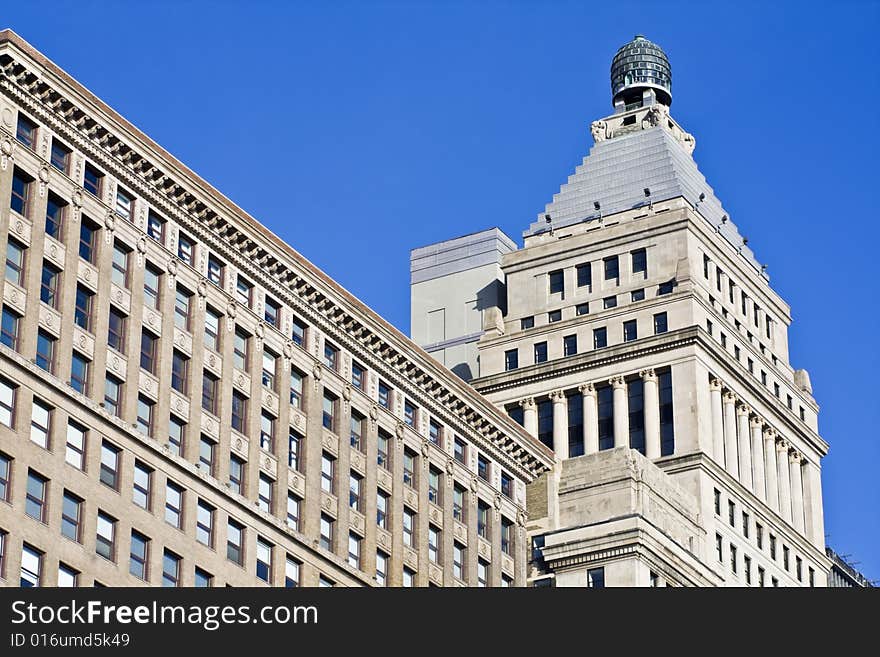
(610, 272)
(745, 302)
(600, 340)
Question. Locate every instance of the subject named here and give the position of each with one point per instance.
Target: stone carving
(557, 396)
(648, 375)
(587, 389)
(346, 393)
(5, 153)
(599, 130)
(688, 141)
(374, 412)
(527, 403)
(497, 501)
(398, 430)
(654, 116)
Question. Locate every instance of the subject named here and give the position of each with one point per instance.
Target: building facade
(187, 401)
(844, 574)
(643, 343)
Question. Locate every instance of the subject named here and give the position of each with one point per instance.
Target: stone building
(185, 400)
(844, 574)
(641, 340)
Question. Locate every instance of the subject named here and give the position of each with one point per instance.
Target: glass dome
(640, 65)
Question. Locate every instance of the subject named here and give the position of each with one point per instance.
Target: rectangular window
(330, 404)
(298, 334)
(170, 569)
(785, 554)
(409, 413)
(600, 338)
(435, 433)
(119, 265)
(145, 413)
(409, 578)
(112, 394)
(88, 231)
(507, 533)
(745, 525)
(582, 309)
(9, 333)
(240, 349)
(267, 432)
(173, 504)
(176, 435)
(183, 309)
(584, 275)
(185, 249)
(209, 392)
(596, 578)
(357, 430)
(142, 486)
(244, 292)
(383, 453)
(526, 323)
(612, 269)
(667, 420)
(152, 286)
(506, 485)
(719, 548)
(109, 474)
(56, 209)
(123, 204)
(265, 493)
(31, 566)
(434, 487)
(717, 502)
(116, 331)
(483, 467)
(759, 535)
(540, 352)
(409, 527)
(747, 569)
(382, 568)
(294, 448)
(82, 315)
(328, 473)
(640, 262)
(482, 573)
(235, 542)
(557, 281)
(383, 503)
(384, 395)
(272, 313)
(570, 345)
(483, 520)
(458, 561)
(358, 376)
(75, 448)
(327, 527)
(609, 302)
(60, 156)
(79, 373)
(291, 573)
(26, 132)
(665, 288)
(331, 357)
(733, 561)
(264, 560)
(605, 403)
(731, 513)
(433, 544)
(71, 517)
(40, 418)
(5, 476)
(354, 550)
(296, 389)
(239, 411)
(458, 507)
(236, 474)
(511, 360)
(139, 555)
(207, 450)
(630, 331)
(270, 362)
(156, 227)
(554, 316)
(409, 468)
(772, 547)
(212, 329)
(15, 262)
(46, 351)
(460, 451)
(21, 192)
(105, 542)
(293, 511)
(660, 325)
(215, 271)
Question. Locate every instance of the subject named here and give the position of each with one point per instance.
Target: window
(236, 474)
(785, 554)
(761, 576)
(774, 582)
(293, 511)
(612, 269)
(799, 568)
(331, 357)
(507, 536)
(119, 267)
(584, 275)
(569, 345)
(557, 281)
(383, 501)
(176, 435)
(665, 288)
(506, 485)
(596, 578)
(382, 568)
(409, 413)
(356, 430)
(435, 432)
(719, 547)
(264, 560)
(298, 334)
(270, 362)
(630, 331)
(7, 402)
(294, 442)
(717, 502)
(272, 313)
(209, 392)
(409, 527)
(173, 504)
(640, 262)
(483, 520)
(170, 569)
(660, 325)
(458, 506)
(71, 517)
(145, 415)
(540, 352)
(185, 249)
(731, 513)
(747, 569)
(244, 292)
(296, 389)
(79, 373)
(733, 562)
(667, 421)
(265, 493)
(582, 309)
(409, 578)
(554, 316)
(87, 238)
(60, 156)
(354, 550)
(267, 432)
(112, 394)
(139, 555)
(506, 581)
(105, 543)
(483, 467)
(240, 349)
(600, 338)
(383, 452)
(759, 535)
(55, 211)
(26, 132)
(239, 411)
(458, 561)
(745, 525)
(433, 544)
(482, 573)
(142, 485)
(116, 331)
(773, 547)
(46, 351)
(92, 180)
(82, 315)
(511, 360)
(328, 473)
(110, 465)
(384, 395)
(123, 204)
(327, 526)
(40, 416)
(31, 566)
(409, 467)
(358, 376)
(215, 271)
(207, 448)
(291, 572)
(15, 262)
(152, 279)
(329, 411)
(182, 309)
(460, 451)
(776, 390)
(609, 302)
(526, 323)
(235, 542)
(212, 329)
(21, 192)
(811, 574)
(10, 328)
(156, 227)
(434, 487)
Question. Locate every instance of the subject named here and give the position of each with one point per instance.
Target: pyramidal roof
(635, 150)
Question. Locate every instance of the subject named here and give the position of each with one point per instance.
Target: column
(717, 422)
(770, 473)
(783, 479)
(652, 414)
(815, 525)
(560, 424)
(745, 447)
(797, 492)
(591, 418)
(758, 458)
(730, 459)
(621, 412)
(530, 416)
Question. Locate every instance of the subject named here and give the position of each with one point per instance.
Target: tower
(643, 343)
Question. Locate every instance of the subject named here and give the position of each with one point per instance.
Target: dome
(640, 65)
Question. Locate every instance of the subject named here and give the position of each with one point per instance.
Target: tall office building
(643, 343)
(187, 401)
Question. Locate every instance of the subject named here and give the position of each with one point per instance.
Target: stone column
(717, 422)
(815, 526)
(783, 479)
(591, 418)
(621, 412)
(745, 447)
(530, 416)
(730, 459)
(652, 414)
(770, 472)
(560, 424)
(758, 458)
(797, 492)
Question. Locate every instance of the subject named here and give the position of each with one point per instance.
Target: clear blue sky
(381, 127)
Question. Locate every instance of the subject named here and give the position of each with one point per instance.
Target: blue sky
(384, 126)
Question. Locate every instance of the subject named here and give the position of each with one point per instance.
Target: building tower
(643, 343)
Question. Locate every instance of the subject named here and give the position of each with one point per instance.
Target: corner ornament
(599, 130)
